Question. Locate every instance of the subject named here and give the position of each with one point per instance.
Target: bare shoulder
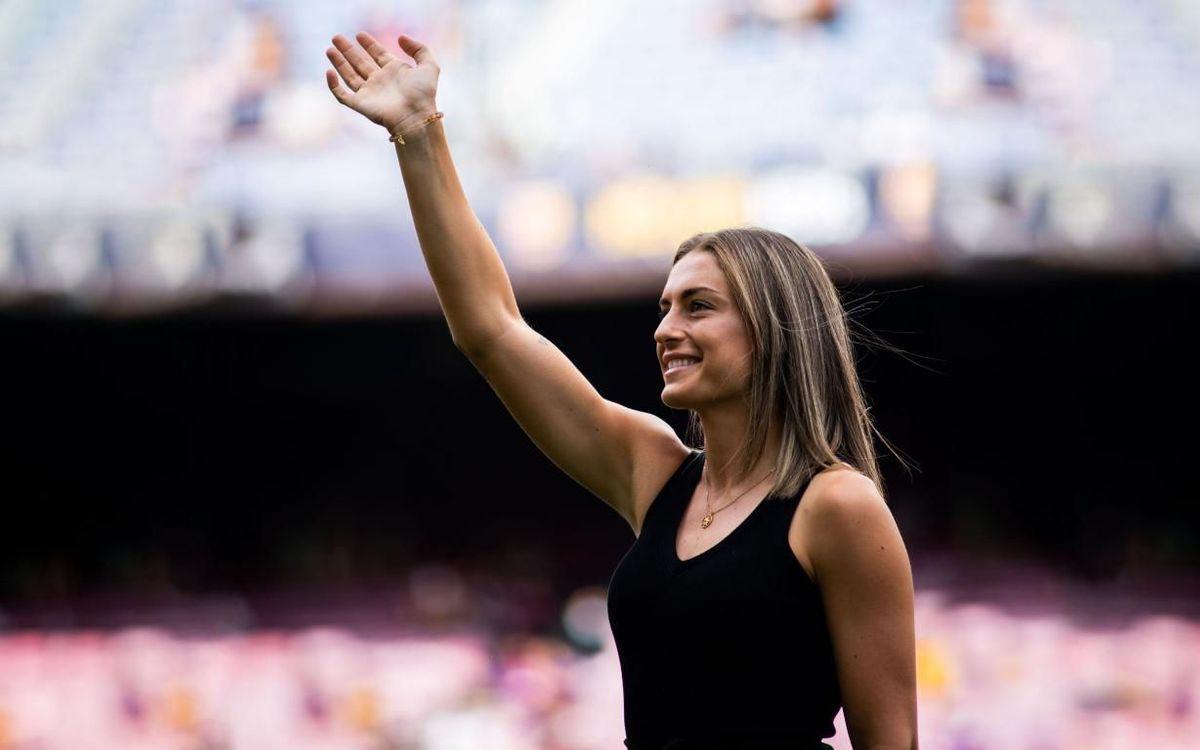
(840, 491)
(656, 453)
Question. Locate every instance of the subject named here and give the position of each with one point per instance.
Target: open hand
(383, 88)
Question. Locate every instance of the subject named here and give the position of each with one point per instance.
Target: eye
(663, 313)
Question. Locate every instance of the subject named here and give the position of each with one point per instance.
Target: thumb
(416, 50)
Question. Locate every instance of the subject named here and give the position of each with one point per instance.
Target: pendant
(706, 521)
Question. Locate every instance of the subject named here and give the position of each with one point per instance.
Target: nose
(667, 330)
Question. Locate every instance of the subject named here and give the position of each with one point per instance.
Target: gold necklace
(708, 517)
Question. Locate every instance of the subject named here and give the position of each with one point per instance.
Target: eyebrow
(688, 293)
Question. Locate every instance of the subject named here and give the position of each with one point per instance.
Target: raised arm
(472, 285)
(617, 453)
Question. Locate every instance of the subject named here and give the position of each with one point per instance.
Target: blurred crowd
(918, 135)
(1022, 664)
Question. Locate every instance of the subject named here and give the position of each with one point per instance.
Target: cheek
(727, 345)
(731, 368)
(726, 366)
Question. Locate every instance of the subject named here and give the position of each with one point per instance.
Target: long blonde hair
(803, 368)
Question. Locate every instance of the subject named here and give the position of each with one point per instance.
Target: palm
(383, 88)
(394, 91)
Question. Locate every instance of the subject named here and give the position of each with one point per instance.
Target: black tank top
(728, 649)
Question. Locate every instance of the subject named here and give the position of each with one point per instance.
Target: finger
(416, 51)
(339, 93)
(361, 61)
(376, 50)
(349, 75)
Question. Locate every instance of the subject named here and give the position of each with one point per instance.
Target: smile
(679, 368)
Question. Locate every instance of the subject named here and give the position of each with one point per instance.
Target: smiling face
(700, 320)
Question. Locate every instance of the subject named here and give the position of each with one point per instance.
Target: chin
(674, 399)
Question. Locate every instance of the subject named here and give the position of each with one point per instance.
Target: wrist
(412, 125)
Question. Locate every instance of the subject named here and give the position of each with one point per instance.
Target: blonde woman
(768, 585)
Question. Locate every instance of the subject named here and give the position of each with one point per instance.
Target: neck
(723, 430)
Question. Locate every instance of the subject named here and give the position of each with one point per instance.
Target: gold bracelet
(397, 138)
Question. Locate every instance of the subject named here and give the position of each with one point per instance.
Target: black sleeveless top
(728, 649)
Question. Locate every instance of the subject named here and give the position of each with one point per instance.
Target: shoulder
(843, 493)
(849, 524)
(834, 504)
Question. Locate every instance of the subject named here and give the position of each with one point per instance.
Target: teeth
(681, 362)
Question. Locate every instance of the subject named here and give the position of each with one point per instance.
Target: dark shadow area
(1047, 416)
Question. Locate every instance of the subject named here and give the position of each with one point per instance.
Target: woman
(768, 585)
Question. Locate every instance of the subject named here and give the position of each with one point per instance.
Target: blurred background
(253, 497)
